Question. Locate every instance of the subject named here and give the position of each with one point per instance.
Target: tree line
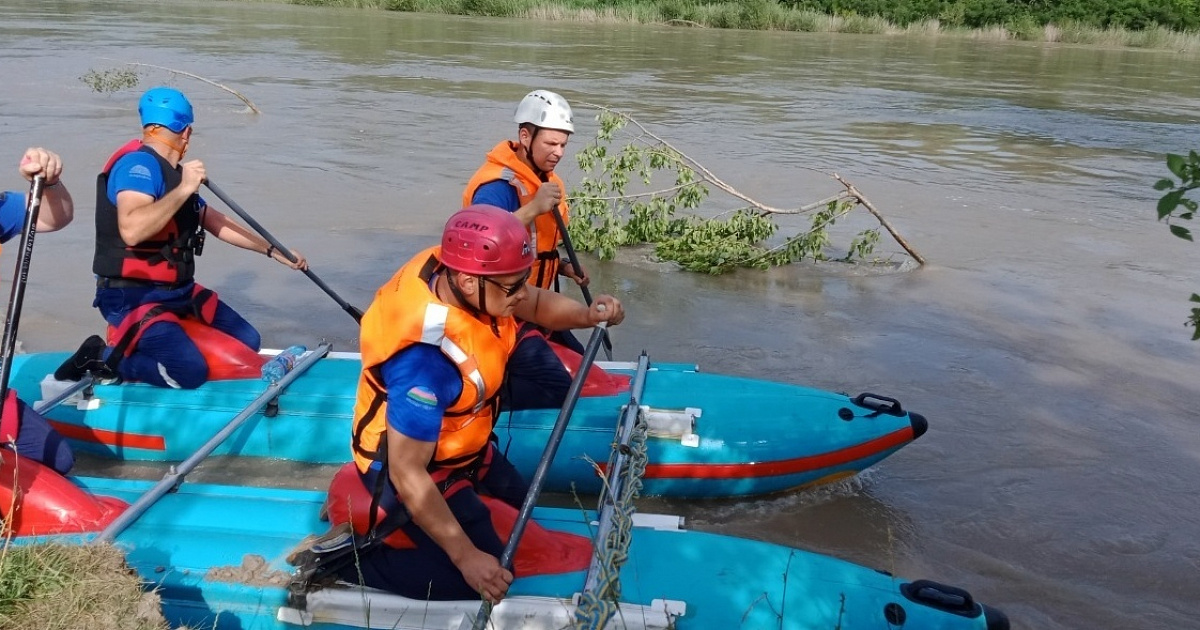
(1179, 15)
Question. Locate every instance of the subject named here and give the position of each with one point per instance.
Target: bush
(1026, 28)
(1133, 14)
(757, 14)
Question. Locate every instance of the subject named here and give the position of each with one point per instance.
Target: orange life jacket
(503, 163)
(406, 312)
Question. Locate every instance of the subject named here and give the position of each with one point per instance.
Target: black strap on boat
(315, 567)
(380, 482)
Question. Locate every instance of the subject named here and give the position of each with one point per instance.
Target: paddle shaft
(20, 278)
(570, 247)
(172, 479)
(346, 306)
(543, 467)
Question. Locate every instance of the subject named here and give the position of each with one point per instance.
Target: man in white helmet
(518, 176)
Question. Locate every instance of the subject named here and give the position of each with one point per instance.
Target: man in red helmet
(435, 345)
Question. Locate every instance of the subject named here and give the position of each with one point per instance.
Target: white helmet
(545, 109)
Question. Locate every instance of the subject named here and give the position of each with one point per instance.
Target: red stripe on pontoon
(781, 467)
(110, 438)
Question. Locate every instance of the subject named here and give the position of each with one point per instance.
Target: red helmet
(487, 241)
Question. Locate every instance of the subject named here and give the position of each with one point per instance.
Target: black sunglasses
(509, 289)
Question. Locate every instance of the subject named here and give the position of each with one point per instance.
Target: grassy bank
(951, 19)
(57, 587)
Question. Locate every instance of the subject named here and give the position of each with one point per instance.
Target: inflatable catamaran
(710, 435)
(218, 555)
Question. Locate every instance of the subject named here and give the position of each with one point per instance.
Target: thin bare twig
(245, 100)
(824, 202)
(654, 193)
(706, 174)
(866, 203)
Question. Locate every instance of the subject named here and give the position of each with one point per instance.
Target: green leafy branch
(1175, 206)
(607, 214)
(116, 79)
(109, 81)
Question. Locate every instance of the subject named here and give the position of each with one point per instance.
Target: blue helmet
(167, 107)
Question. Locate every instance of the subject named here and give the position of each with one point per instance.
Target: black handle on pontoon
(346, 306)
(20, 278)
(587, 295)
(543, 467)
(879, 404)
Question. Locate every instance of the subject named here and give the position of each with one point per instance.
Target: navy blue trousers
(426, 572)
(37, 440)
(165, 356)
(535, 377)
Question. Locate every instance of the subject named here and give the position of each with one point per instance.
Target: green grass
(61, 587)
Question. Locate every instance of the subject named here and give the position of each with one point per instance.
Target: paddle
(172, 479)
(587, 295)
(346, 306)
(543, 467)
(17, 296)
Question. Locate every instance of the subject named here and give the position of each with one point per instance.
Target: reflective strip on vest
(511, 176)
(433, 332)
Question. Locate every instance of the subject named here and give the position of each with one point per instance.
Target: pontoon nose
(996, 620)
(919, 424)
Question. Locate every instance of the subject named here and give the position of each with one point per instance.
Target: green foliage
(400, 5)
(109, 81)
(863, 24)
(1025, 28)
(493, 8)
(25, 576)
(1142, 23)
(1181, 15)
(757, 14)
(1175, 205)
(606, 216)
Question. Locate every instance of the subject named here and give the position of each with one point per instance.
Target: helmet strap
(154, 133)
(537, 171)
(483, 306)
(479, 312)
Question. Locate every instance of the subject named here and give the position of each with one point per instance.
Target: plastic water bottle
(281, 364)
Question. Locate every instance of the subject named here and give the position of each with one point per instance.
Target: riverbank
(956, 21)
(59, 587)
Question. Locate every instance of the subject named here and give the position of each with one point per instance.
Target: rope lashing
(596, 606)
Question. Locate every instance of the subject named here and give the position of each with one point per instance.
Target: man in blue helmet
(21, 428)
(150, 226)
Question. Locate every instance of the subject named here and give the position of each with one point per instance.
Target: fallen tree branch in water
(609, 216)
(232, 91)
